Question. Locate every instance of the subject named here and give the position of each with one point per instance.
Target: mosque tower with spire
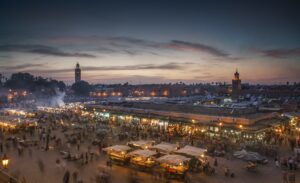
(77, 73)
(236, 85)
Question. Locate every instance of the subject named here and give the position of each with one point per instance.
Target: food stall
(196, 152)
(173, 164)
(197, 155)
(140, 144)
(164, 148)
(118, 153)
(16, 123)
(142, 158)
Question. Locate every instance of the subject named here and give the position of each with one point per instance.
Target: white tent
(141, 144)
(142, 153)
(191, 151)
(118, 148)
(173, 159)
(248, 155)
(165, 147)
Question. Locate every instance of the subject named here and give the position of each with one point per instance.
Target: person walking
(216, 162)
(277, 164)
(41, 165)
(86, 158)
(226, 171)
(1, 147)
(78, 146)
(66, 178)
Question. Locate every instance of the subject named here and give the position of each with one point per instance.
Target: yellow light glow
(152, 93)
(165, 93)
(5, 162)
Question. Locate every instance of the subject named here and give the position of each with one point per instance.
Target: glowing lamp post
(5, 161)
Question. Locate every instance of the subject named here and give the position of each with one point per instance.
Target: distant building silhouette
(77, 73)
(236, 85)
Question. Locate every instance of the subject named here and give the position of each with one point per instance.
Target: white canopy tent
(142, 153)
(165, 147)
(249, 156)
(173, 159)
(143, 144)
(192, 151)
(118, 148)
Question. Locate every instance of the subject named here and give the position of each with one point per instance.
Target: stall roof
(164, 146)
(141, 143)
(117, 148)
(173, 159)
(191, 151)
(143, 153)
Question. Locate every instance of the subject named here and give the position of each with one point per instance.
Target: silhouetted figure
(66, 178)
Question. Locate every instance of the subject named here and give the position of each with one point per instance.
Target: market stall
(196, 152)
(165, 148)
(118, 152)
(140, 144)
(142, 158)
(174, 164)
(198, 161)
(13, 123)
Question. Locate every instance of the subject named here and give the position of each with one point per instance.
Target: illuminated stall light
(128, 118)
(144, 120)
(5, 161)
(121, 117)
(136, 119)
(153, 94)
(163, 123)
(113, 118)
(165, 93)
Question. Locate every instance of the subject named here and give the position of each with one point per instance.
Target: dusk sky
(152, 42)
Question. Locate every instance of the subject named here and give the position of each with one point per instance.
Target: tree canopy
(29, 82)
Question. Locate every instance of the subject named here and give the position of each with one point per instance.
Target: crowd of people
(81, 142)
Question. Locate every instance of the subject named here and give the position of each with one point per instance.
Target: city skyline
(152, 42)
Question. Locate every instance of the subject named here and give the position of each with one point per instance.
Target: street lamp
(5, 161)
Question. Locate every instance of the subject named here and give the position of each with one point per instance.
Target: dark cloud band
(281, 53)
(41, 49)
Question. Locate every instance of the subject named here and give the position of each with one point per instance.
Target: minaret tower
(77, 73)
(236, 85)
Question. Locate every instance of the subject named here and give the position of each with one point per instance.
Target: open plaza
(95, 143)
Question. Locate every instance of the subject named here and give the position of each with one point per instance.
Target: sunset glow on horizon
(145, 43)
